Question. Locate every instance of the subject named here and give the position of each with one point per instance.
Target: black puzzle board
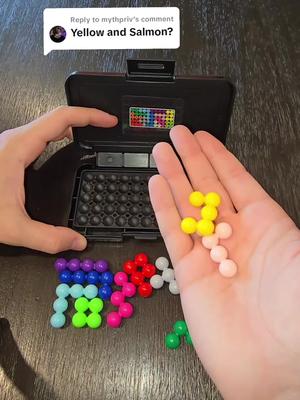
(112, 203)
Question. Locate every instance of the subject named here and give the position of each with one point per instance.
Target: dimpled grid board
(161, 118)
(114, 200)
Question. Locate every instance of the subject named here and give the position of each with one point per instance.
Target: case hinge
(129, 160)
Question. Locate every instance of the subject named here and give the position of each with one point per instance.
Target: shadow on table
(16, 251)
(17, 370)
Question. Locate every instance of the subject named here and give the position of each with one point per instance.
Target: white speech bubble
(111, 28)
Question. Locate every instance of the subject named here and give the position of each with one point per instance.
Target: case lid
(148, 100)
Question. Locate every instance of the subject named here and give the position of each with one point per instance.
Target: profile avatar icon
(58, 34)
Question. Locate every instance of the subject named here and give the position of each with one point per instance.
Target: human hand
(19, 147)
(246, 330)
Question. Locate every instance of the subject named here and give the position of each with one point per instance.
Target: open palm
(246, 330)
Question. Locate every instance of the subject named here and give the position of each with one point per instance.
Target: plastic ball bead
(74, 264)
(117, 298)
(196, 199)
(161, 263)
(89, 177)
(189, 225)
(107, 277)
(129, 267)
(137, 278)
(133, 221)
(87, 265)
(60, 305)
(113, 319)
(145, 290)
(209, 212)
(126, 310)
(227, 268)
(129, 289)
(57, 320)
(94, 320)
(82, 304)
(76, 291)
(180, 328)
(205, 227)
(120, 278)
(212, 199)
(79, 320)
(210, 241)
(62, 290)
(78, 277)
(93, 277)
(95, 220)
(218, 254)
(65, 276)
(101, 266)
(148, 270)
(90, 291)
(168, 275)
(140, 259)
(156, 282)
(96, 305)
(188, 338)
(105, 292)
(223, 230)
(172, 341)
(60, 264)
(173, 287)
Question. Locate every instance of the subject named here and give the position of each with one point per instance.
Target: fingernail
(79, 243)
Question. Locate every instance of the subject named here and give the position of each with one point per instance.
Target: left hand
(19, 147)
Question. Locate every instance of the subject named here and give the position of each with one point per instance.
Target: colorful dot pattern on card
(143, 117)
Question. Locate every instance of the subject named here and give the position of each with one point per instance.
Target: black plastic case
(110, 199)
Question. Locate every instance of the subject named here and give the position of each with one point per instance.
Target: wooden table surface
(253, 43)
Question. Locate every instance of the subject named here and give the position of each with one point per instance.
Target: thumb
(50, 239)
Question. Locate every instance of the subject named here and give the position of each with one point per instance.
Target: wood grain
(255, 44)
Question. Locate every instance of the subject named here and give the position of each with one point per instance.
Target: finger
(199, 169)
(178, 243)
(240, 185)
(170, 168)
(55, 126)
(48, 238)
(51, 125)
